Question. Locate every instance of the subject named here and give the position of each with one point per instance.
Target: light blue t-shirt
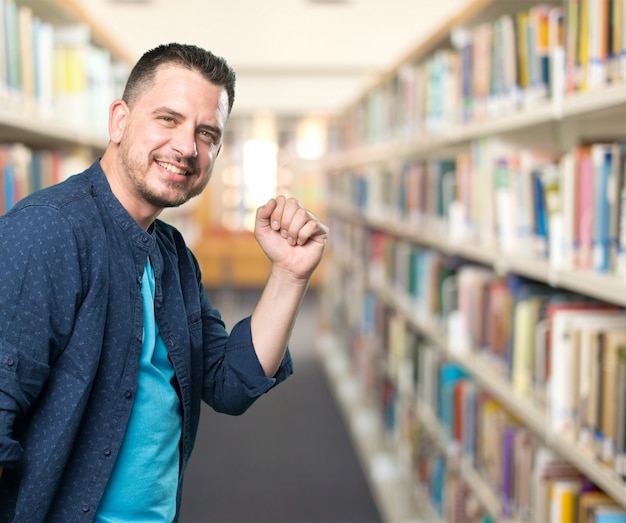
(144, 481)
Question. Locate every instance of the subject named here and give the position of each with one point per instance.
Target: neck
(144, 215)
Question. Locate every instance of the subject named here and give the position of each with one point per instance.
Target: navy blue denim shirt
(70, 339)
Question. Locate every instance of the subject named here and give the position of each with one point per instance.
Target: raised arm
(294, 240)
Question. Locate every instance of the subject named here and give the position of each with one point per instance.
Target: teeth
(171, 168)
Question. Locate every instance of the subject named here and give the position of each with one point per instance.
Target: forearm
(274, 317)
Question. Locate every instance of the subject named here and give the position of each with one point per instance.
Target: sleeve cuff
(10, 452)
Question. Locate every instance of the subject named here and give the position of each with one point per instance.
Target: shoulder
(63, 197)
(53, 215)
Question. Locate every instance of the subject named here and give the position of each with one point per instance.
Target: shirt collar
(102, 190)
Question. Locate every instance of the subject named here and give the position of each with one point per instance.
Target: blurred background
(299, 63)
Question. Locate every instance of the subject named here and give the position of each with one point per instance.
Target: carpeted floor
(289, 458)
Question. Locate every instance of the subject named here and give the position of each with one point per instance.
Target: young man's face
(171, 137)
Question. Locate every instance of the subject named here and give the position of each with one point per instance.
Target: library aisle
(289, 458)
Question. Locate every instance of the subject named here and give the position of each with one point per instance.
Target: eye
(208, 136)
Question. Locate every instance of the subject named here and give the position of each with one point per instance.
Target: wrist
(287, 277)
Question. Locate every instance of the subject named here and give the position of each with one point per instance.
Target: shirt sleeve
(37, 255)
(235, 379)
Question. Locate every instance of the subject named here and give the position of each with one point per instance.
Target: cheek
(212, 154)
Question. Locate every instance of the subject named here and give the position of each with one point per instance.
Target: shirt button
(107, 452)
(127, 394)
(144, 239)
(85, 508)
(10, 362)
(140, 336)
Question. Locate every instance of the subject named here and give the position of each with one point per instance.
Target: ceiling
(292, 57)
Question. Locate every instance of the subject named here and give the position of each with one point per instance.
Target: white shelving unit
(22, 121)
(555, 125)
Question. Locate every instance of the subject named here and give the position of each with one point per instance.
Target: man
(108, 343)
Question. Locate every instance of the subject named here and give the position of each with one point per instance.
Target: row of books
(562, 351)
(55, 72)
(24, 170)
(529, 482)
(532, 483)
(567, 209)
(459, 440)
(516, 60)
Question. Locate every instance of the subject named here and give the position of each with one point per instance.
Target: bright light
(259, 171)
(311, 138)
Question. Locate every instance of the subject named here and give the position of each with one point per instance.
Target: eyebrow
(168, 110)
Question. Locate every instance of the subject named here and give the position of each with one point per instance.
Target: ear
(118, 116)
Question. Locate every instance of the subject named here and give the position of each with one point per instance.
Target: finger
(289, 210)
(312, 230)
(277, 213)
(300, 219)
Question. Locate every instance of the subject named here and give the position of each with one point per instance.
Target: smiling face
(163, 146)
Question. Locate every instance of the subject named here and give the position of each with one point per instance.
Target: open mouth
(173, 169)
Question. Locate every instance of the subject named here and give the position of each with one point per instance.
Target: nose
(184, 143)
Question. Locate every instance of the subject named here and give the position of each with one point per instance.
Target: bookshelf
(473, 207)
(58, 74)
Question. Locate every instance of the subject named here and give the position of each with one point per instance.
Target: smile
(173, 169)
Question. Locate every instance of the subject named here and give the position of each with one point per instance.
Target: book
(582, 55)
(598, 17)
(507, 476)
(481, 70)
(563, 496)
(551, 182)
(548, 471)
(449, 375)
(12, 46)
(571, 46)
(3, 56)
(556, 47)
(563, 256)
(505, 207)
(609, 515)
(590, 501)
(585, 207)
(614, 37)
(499, 318)
(473, 282)
(565, 387)
(602, 158)
(522, 472)
(43, 57)
(539, 36)
(26, 56)
(612, 341)
(523, 58)
(71, 52)
(540, 210)
(528, 310)
(620, 419)
(618, 206)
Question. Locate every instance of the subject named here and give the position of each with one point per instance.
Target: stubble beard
(177, 194)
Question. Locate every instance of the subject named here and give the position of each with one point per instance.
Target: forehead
(183, 88)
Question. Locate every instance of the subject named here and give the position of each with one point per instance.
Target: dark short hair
(214, 68)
